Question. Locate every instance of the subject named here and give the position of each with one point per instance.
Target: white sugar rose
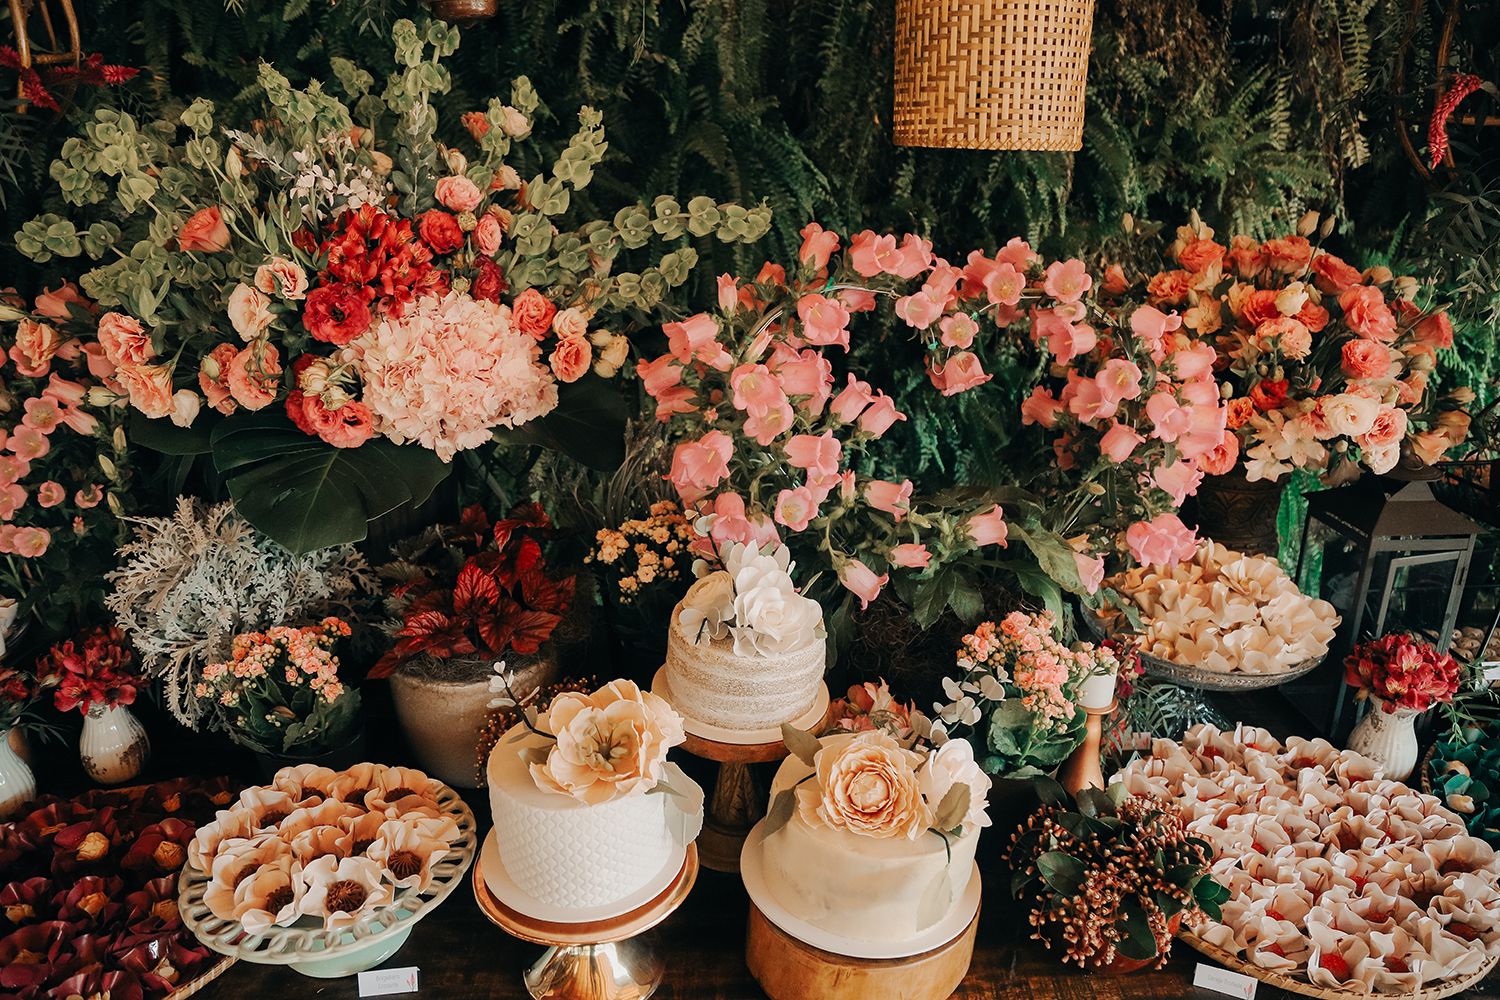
(708, 608)
(610, 744)
(953, 763)
(772, 618)
(249, 311)
(1350, 414)
(867, 784)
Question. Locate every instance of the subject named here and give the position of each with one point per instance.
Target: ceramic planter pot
(1388, 738)
(352, 751)
(443, 712)
(17, 786)
(113, 747)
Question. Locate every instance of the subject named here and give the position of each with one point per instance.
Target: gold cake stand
(597, 959)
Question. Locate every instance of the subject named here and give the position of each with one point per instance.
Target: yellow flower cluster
(646, 550)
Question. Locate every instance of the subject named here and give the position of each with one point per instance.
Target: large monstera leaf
(587, 425)
(307, 494)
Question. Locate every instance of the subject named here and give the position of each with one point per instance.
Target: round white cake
(711, 684)
(567, 853)
(857, 887)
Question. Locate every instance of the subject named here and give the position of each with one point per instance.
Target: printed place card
(1223, 981)
(384, 982)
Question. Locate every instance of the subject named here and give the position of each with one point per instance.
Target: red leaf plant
(477, 590)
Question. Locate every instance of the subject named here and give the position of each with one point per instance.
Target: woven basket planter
(992, 74)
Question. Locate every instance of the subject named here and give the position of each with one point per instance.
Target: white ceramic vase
(1388, 738)
(17, 785)
(114, 747)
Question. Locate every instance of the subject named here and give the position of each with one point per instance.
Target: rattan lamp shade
(992, 74)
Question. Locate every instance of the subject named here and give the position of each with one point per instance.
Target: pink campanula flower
(756, 390)
(66, 393)
(1206, 431)
(1179, 480)
(43, 413)
(1064, 339)
(31, 542)
(862, 581)
(958, 331)
(729, 294)
(910, 555)
(818, 455)
(824, 321)
(804, 374)
(1090, 571)
(868, 252)
(1004, 284)
(889, 497)
(696, 338)
(731, 524)
(1151, 325)
(27, 442)
(1114, 280)
(958, 374)
(1119, 442)
(880, 415)
(1165, 541)
(1195, 362)
(89, 496)
(987, 528)
(1171, 418)
(796, 507)
(857, 299)
(767, 427)
(1119, 380)
(1067, 281)
(849, 403)
(13, 469)
(915, 256)
(1040, 408)
(50, 494)
(1017, 253)
(1088, 401)
(920, 310)
(818, 244)
(12, 499)
(699, 466)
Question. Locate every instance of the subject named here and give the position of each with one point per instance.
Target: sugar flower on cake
(341, 891)
(610, 744)
(754, 599)
(867, 784)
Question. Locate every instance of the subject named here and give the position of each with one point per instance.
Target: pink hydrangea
(450, 371)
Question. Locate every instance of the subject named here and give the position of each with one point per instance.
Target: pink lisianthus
(1119, 442)
(818, 244)
(851, 402)
(796, 507)
(1090, 571)
(819, 455)
(910, 555)
(1388, 429)
(756, 390)
(1179, 480)
(696, 338)
(1040, 408)
(880, 415)
(1366, 359)
(862, 581)
(958, 374)
(824, 321)
(1171, 418)
(1165, 541)
(1066, 281)
(1366, 313)
(987, 528)
(889, 497)
(699, 466)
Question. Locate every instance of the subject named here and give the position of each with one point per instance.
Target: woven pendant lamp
(992, 74)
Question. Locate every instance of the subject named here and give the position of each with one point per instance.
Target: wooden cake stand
(736, 803)
(593, 960)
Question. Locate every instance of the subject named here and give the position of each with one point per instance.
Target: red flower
(1268, 395)
(94, 668)
(375, 250)
(336, 314)
(491, 282)
(440, 231)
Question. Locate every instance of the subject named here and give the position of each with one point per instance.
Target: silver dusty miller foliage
(190, 582)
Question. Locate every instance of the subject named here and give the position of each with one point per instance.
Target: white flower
(708, 607)
(1349, 414)
(952, 763)
(249, 311)
(767, 605)
(990, 688)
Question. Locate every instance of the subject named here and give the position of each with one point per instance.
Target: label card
(1223, 981)
(383, 982)
(1491, 672)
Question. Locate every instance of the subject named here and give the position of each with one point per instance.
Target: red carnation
(490, 283)
(440, 231)
(1268, 395)
(336, 314)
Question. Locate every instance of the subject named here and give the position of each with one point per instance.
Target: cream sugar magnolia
(745, 651)
(576, 823)
(859, 856)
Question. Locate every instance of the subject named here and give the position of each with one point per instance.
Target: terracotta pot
(442, 717)
(1122, 965)
(1237, 513)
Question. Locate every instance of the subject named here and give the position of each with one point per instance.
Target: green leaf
(166, 437)
(1095, 802)
(780, 813)
(804, 746)
(936, 899)
(1051, 792)
(954, 807)
(307, 494)
(1136, 940)
(588, 425)
(1063, 873)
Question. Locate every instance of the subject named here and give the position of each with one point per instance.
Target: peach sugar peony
(866, 784)
(611, 743)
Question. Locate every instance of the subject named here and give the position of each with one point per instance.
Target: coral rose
(149, 388)
(336, 314)
(204, 232)
(532, 313)
(1199, 255)
(610, 744)
(1366, 359)
(279, 276)
(440, 231)
(487, 234)
(1289, 253)
(1436, 331)
(867, 784)
(253, 379)
(1219, 459)
(458, 193)
(249, 311)
(1366, 313)
(124, 340)
(571, 358)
